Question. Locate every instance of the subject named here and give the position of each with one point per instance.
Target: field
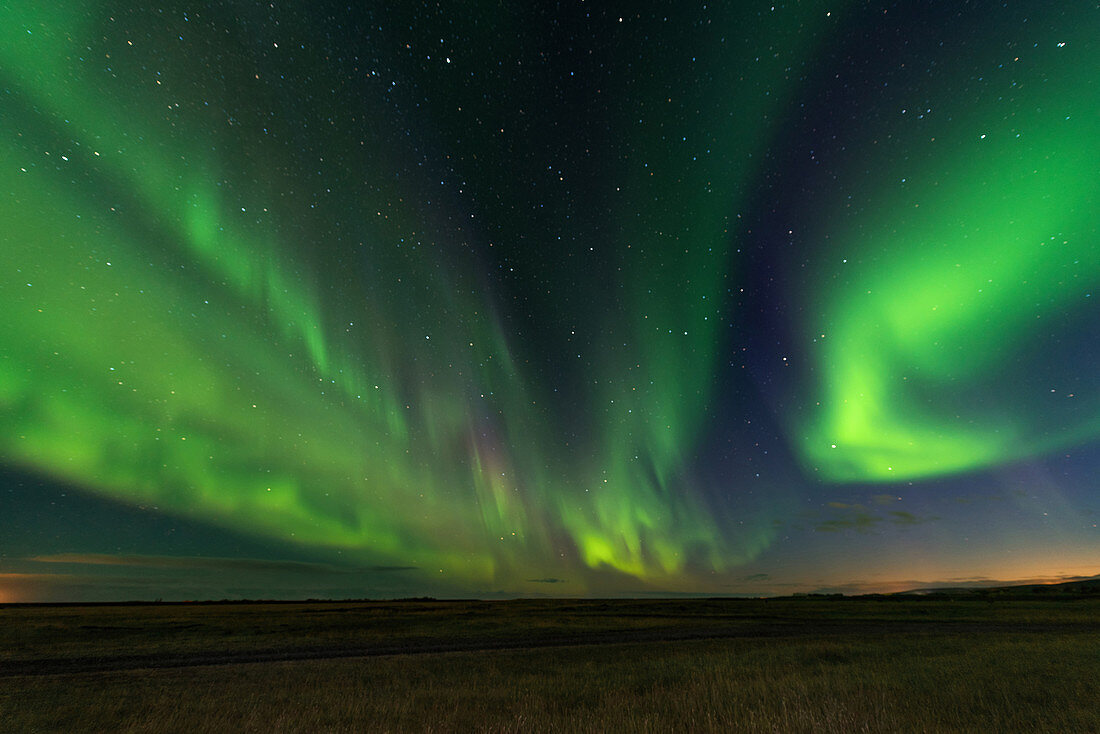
(796, 665)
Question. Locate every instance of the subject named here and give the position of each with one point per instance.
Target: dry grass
(846, 668)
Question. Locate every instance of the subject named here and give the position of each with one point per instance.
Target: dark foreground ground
(799, 665)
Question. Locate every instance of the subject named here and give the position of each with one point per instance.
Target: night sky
(303, 299)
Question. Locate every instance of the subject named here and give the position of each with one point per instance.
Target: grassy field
(704, 665)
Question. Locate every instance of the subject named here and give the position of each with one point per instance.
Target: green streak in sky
(977, 243)
(168, 350)
(188, 331)
(696, 157)
(182, 337)
(228, 296)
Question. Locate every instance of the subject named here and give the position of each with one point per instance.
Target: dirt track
(434, 645)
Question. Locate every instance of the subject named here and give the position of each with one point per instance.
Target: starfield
(496, 300)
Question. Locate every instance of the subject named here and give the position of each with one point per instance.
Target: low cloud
(35, 577)
(900, 517)
(847, 506)
(108, 578)
(861, 522)
(209, 563)
(855, 516)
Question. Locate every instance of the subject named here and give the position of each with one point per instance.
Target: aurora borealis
(483, 298)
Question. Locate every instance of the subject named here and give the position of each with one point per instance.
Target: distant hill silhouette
(1077, 588)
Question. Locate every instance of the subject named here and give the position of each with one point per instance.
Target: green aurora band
(976, 243)
(188, 325)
